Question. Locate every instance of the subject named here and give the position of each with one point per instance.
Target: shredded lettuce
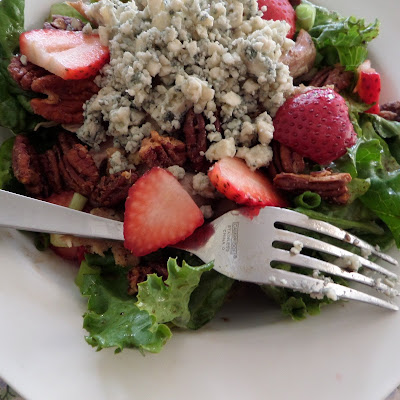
(341, 40)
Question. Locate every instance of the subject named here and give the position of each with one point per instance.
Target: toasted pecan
(65, 98)
(162, 151)
(113, 189)
(336, 76)
(194, 129)
(26, 167)
(285, 160)
(330, 186)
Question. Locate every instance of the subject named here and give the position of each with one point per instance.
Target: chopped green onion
(305, 16)
(308, 200)
(78, 202)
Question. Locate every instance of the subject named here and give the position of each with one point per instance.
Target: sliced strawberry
(280, 10)
(75, 253)
(158, 212)
(234, 179)
(61, 199)
(316, 125)
(68, 54)
(368, 86)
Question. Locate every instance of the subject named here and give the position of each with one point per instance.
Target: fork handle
(25, 213)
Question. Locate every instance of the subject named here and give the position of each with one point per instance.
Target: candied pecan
(285, 160)
(139, 274)
(64, 23)
(26, 167)
(336, 76)
(391, 111)
(301, 57)
(76, 165)
(194, 129)
(330, 186)
(49, 164)
(113, 189)
(162, 151)
(65, 100)
(24, 75)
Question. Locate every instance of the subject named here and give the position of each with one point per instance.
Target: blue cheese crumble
(166, 57)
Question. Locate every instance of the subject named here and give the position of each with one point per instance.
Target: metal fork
(241, 244)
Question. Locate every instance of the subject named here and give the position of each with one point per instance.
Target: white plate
(351, 351)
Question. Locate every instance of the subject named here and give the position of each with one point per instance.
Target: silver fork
(242, 246)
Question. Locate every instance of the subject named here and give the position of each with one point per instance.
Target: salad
(166, 115)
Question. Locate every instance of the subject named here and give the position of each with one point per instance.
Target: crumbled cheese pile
(167, 57)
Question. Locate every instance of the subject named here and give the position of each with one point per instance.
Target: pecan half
(139, 274)
(24, 75)
(113, 189)
(336, 76)
(391, 111)
(285, 160)
(77, 167)
(162, 151)
(64, 23)
(194, 129)
(330, 186)
(50, 169)
(26, 167)
(65, 100)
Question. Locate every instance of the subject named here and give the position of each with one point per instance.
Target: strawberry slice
(234, 179)
(74, 253)
(280, 10)
(368, 86)
(68, 54)
(158, 212)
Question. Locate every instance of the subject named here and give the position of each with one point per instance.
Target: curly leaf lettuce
(113, 319)
(169, 301)
(341, 40)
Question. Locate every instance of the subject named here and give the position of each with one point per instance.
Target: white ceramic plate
(351, 351)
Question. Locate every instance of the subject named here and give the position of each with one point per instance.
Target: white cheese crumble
(207, 211)
(23, 59)
(177, 171)
(169, 57)
(297, 247)
(118, 162)
(351, 263)
(202, 186)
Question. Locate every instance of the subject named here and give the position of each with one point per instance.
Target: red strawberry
(234, 179)
(368, 86)
(61, 199)
(280, 10)
(316, 125)
(70, 55)
(158, 212)
(75, 253)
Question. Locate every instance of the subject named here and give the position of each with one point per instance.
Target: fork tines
(346, 265)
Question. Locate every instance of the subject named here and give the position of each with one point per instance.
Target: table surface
(7, 393)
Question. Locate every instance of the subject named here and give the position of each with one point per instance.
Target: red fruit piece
(316, 125)
(74, 253)
(280, 10)
(68, 54)
(368, 86)
(61, 199)
(158, 212)
(234, 179)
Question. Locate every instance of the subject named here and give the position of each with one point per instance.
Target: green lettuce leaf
(169, 301)
(208, 298)
(15, 110)
(113, 319)
(341, 40)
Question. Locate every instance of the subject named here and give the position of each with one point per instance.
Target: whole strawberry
(316, 125)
